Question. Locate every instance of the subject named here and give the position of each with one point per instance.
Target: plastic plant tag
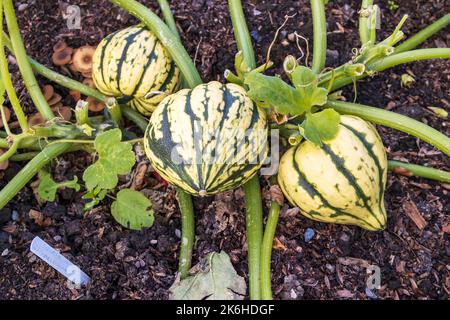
(57, 261)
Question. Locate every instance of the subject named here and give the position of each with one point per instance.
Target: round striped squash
(208, 139)
(133, 66)
(341, 182)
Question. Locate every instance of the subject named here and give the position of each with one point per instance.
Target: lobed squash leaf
(132, 210)
(215, 279)
(48, 187)
(306, 83)
(320, 126)
(281, 96)
(115, 158)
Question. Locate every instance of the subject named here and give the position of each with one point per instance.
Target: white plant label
(57, 261)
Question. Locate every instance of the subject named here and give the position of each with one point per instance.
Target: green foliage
(320, 126)
(284, 98)
(306, 83)
(132, 210)
(115, 158)
(48, 187)
(215, 279)
(96, 196)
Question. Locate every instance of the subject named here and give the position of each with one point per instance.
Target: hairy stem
(23, 63)
(396, 121)
(188, 235)
(254, 226)
(421, 171)
(424, 34)
(394, 60)
(243, 39)
(266, 251)
(364, 33)
(168, 17)
(7, 82)
(320, 35)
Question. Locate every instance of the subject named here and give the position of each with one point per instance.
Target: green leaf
(273, 90)
(320, 126)
(306, 83)
(132, 210)
(96, 196)
(215, 279)
(48, 187)
(115, 158)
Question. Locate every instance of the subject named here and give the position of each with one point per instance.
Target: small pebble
(57, 238)
(5, 253)
(15, 216)
(178, 233)
(309, 234)
(153, 242)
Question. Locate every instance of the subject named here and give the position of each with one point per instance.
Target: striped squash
(132, 65)
(341, 182)
(208, 139)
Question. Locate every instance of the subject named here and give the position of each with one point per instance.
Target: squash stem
(7, 82)
(395, 121)
(188, 232)
(320, 35)
(266, 251)
(23, 63)
(254, 226)
(364, 33)
(168, 18)
(421, 171)
(394, 60)
(423, 35)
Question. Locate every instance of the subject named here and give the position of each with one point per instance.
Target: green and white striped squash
(341, 182)
(208, 139)
(132, 65)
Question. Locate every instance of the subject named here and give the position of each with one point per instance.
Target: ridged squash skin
(132, 65)
(341, 182)
(208, 139)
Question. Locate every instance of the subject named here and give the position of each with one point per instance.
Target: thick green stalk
(364, 33)
(167, 38)
(254, 226)
(394, 60)
(424, 34)
(396, 121)
(266, 251)
(188, 235)
(7, 82)
(243, 39)
(26, 156)
(409, 56)
(421, 171)
(320, 35)
(30, 170)
(168, 17)
(23, 63)
(3, 144)
(135, 117)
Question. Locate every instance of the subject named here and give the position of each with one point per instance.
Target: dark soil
(415, 264)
